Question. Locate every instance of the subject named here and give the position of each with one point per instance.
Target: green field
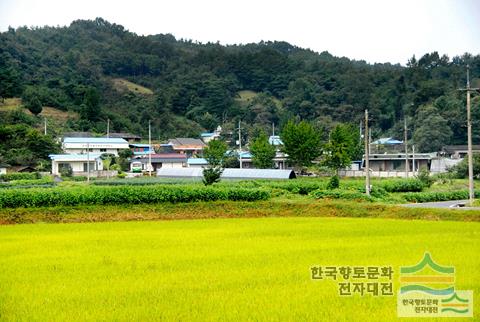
(216, 269)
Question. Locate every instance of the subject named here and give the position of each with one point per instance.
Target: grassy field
(222, 269)
(122, 85)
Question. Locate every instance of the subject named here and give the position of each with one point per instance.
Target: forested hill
(98, 70)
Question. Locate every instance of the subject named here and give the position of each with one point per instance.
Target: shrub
(403, 185)
(66, 171)
(425, 178)
(333, 183)
(20, 176)
(340, 194)
(13, 198)
(122, 175)
(438, 196)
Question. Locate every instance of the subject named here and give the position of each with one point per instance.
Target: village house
(188, 146)
(395, 162)
(129, 137)
(84, 145)
(159, 160)
(80, 164)
(209, 136)
(141, 149)
(458, 151)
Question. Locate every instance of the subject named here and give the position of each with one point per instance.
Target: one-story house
(396, 161)
(159, 160)
(141, 149)
(187, 146)
(279, 161)
(80, 163)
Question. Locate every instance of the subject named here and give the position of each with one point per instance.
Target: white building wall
(92, 150)
(77, 166)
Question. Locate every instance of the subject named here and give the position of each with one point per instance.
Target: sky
(371, 30)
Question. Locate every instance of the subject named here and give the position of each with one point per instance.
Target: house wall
(3, 171)
(92, 150)
(396, 165)
(77, 166)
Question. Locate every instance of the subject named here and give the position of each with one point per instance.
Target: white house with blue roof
(78, 162)
(83, 145)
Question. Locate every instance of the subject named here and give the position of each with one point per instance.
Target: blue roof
(139, 145)
(207, 134)
(275, 140)
(246, 155)
(75, 157)
(197, 161)
(95, 140)
(387, 141)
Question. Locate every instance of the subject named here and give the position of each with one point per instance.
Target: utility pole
(468, 89)
(108, 127)
(369, 140)
(413, 158)
(367, 152)
(45, 125)
(149, 149)
(406, 146)
(240, 144)
(360, 129)
(273, 129)
(88, 162)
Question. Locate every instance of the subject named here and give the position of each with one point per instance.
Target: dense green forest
(196, 87)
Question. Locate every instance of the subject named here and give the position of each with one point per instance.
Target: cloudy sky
(372, 30)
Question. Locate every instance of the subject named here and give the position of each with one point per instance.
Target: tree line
(196, 86)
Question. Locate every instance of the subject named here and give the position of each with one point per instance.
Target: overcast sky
(372, 30)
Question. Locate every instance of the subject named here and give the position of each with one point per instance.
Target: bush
(425, 178)
(403, 185)
(66, 171)
(333, 183)
(122, 175)
(13, 198)
(438, 196)
(20, 176)
(340, 194)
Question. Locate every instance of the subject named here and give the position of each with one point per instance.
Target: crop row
(13, 198)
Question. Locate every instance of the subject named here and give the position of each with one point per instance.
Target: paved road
(453, 204)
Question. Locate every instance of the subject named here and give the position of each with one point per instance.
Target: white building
(93, 145)
(78, 163)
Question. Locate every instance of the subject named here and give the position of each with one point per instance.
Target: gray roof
(228, 173)
(123, 135)
(186, 141)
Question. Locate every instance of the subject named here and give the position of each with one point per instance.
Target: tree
(214, 153)
(432, 131)
(340, 148)
(461, 169)
(301, 142)
(34, 105)
(123, 159)
(91, 105)
(262, 152)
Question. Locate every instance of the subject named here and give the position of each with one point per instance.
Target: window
(103, 150)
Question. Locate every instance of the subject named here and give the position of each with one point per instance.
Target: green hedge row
(340, 194)
(20, 176)
(13, 198)
(438, 196)
(402, 185)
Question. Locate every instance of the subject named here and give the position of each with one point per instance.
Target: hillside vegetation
(99, 70)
